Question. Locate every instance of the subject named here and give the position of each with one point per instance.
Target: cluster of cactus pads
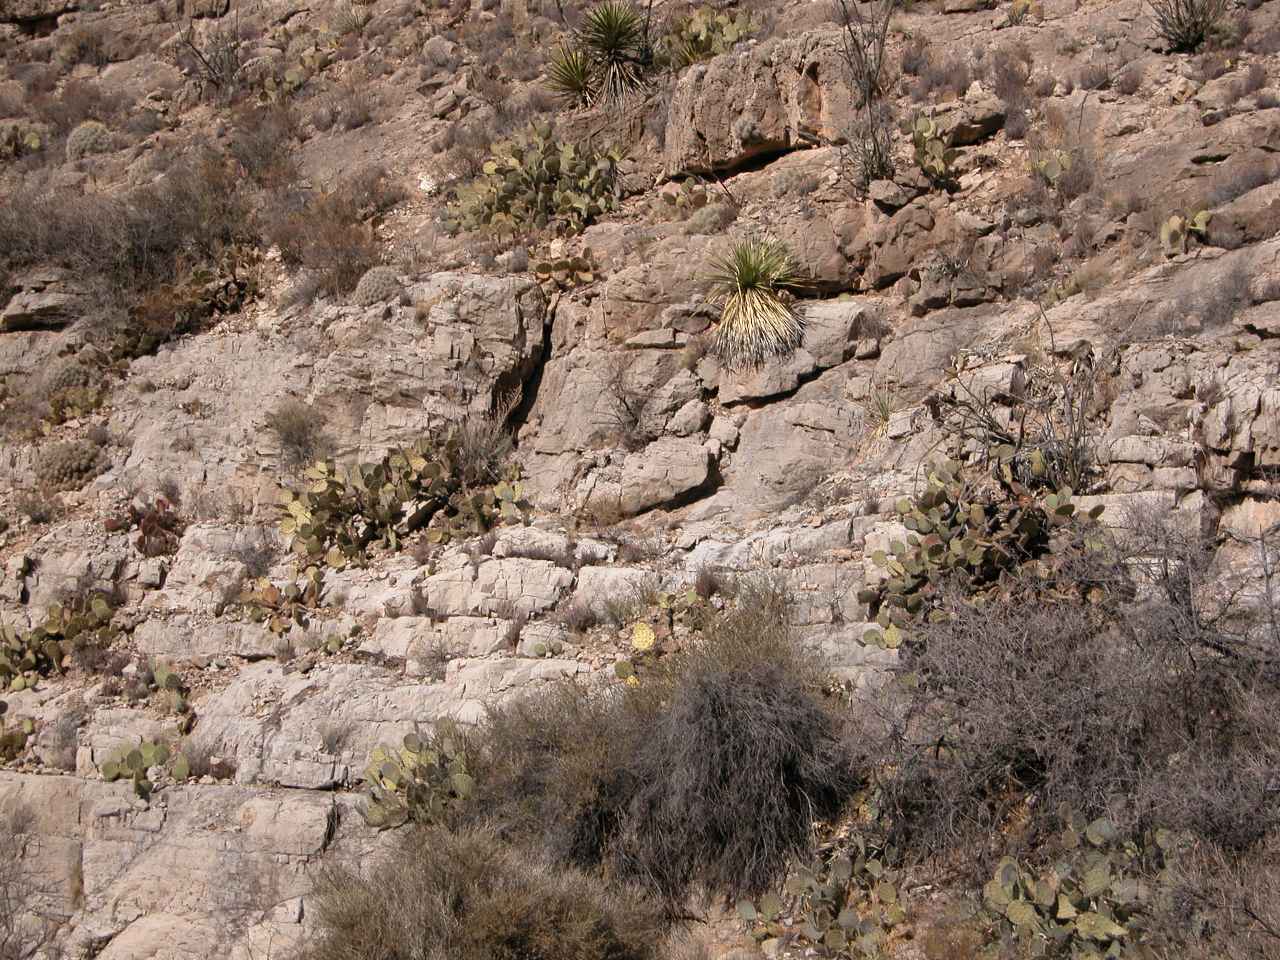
(419, 781)
(958, 534)
(704, 34)
(25, 657)
(339, 513)
(13, 740)
(844, 904)
(134, 762)
(933, 156)
(1177, 231)
(533, 182)
(1089, 903)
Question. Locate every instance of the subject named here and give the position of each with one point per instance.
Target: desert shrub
(69, 465)
(705, 774)
(216, 61)
(534, 182)
(1130, 80)
(88, 138)
(299, 430)
(483, 445)
(83, 43)
(749, 284)
(1096, 679)
(1186, 24)
(1093, 76)
(134, 242)
(466, 896)
(324, 233)
(262, 141)
(378, 284)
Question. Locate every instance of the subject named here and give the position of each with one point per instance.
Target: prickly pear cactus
(843, 904)
(134, 764)
(14, 737)
(1091, 902)
(957, 534)
(534, 182)
(1176, 232)
(340, 513)
(933, 156)
(704, 34)
(420, 781)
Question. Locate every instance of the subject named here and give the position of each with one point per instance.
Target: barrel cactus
(69, 465)
(378, 284)
(88, 138)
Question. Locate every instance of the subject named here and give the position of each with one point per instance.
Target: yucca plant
(614, 35)
(748, 283)
(572, 75)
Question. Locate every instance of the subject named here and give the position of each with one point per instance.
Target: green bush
(534, 182)
(466, 896)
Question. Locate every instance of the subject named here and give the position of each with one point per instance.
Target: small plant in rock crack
(1177, 231)
(158, 526)
(751, 284)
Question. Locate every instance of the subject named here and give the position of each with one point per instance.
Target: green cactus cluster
(282, 607)
(19, 138)
(73, 391)
(688, 196)
(844, 904)
(339, 513)
(1176, 232)
(378, 284)
(133, 763)
(25, 657)
(704, 34)
(420, 781)
(568, 272)
(933, 156)
(69, 465)
(1090, 903)
(88, 138)
(958, 533)
(534, 182)
(276, 89)
(13, 739)
(1052, 166)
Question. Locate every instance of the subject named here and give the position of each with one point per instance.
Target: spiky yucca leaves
(756, 322)
(614, 37)
(572, 76)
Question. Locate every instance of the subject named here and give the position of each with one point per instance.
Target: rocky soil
(645, 463)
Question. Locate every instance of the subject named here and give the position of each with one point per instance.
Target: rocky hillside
(407, 239)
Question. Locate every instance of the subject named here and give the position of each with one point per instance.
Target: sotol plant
(608, 58)
(749, 285)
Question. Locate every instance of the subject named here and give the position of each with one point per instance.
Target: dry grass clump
(467, 896)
